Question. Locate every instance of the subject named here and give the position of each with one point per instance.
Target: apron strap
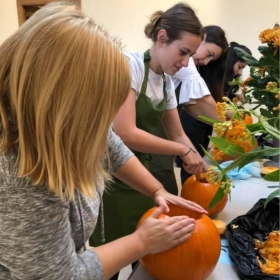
(164, 85)
(147, 59)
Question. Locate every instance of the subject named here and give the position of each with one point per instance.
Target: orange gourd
(202, 192)
(195, 259)
(248, 119)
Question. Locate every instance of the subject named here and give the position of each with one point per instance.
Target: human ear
(162, 36)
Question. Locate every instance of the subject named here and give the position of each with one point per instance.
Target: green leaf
(211, 159)
(257, 153)
(252, 83)
(263, 82)
(227, 147)
(208, 119)
(273, 176)
(266, 113)
(247, 57)
(255, 127)
(270, 129)
(236, 163)
(271, 196)
(217, 197)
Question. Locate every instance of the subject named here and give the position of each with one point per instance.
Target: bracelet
(190, 150)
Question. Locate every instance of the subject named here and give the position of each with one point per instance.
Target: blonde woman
(62, 80)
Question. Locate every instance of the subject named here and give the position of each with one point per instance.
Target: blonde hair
(62, 80)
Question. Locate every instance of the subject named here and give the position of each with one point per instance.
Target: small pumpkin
(202, 192)
(195, 259)
(247, 119)
(268, 169)
(221, 226)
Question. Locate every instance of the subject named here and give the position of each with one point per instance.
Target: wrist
(190, 150)
(157, 190)
(139, 243)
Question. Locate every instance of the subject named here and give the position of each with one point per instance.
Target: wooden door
(26, 8)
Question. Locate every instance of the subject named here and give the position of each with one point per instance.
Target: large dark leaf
(271, 196)
(270, 129)
(273, 176)
(217, 197)
(263, 82)
(247, 57)
(255, 127)
(253, 83)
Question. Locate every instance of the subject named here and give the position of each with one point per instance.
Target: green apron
(162, 166)
(123, 206)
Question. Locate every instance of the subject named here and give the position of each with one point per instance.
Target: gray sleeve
(119, 153)
(35, 238)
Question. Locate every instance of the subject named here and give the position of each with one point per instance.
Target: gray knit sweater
(42, 237)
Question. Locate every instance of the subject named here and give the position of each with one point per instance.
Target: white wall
(8, 18)
(241, 19)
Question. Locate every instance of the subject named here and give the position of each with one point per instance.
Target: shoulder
(137, 70)
(118, 152)
(135, 60)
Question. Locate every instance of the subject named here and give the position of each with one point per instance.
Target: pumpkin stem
(201, 177)
(197, 176)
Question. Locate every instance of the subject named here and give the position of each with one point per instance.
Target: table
(243, 197)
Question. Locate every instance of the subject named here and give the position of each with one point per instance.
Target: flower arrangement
(234, 130)
(234, 137)
(262, 87)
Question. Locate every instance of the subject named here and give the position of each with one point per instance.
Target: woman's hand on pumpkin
(163, 198)
(157, 234)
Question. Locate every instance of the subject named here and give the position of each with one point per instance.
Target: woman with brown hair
(62, 80)
(175, 34)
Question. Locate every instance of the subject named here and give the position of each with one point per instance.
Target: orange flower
(234, 131)
(271, 36)
(220, 109)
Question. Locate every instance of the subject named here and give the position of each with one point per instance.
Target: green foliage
(217, 198)
(271, 196)
(262, 89)
(227, 147)
(273, 176)
(262, 72)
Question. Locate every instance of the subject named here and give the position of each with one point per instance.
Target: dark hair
(214, 72)
(231, 60)
(181, 17)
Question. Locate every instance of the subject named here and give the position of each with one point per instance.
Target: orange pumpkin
(195, 259)
(202, 192)
(248, 119)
